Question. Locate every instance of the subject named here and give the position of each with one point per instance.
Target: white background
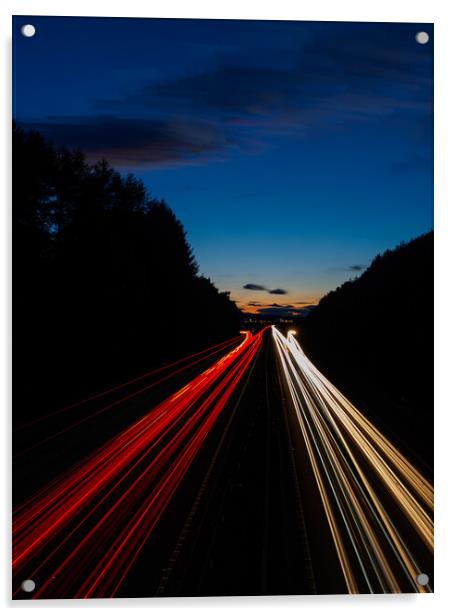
(436, 11)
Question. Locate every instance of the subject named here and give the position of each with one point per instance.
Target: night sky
(292, 152)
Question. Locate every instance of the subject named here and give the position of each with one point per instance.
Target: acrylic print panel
(223, 298)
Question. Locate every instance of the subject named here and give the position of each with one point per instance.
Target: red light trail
(105, 508)
(164, 373)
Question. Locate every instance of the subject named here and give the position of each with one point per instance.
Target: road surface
(237, 470)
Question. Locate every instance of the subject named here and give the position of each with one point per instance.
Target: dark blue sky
(293, 152)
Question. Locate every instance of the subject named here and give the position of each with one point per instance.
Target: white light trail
(355, 469)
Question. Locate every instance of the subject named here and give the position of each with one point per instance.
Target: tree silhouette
(374, 336)
(105, 281)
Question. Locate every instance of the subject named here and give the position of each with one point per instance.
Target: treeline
(105, 283)
(373, 336)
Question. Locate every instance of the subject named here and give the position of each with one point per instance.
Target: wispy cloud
(346, 74)
(250, 286)
(357, 268)
(132, 142)
(278, 292)
(337, 76)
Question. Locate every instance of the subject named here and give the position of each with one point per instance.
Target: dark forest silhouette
(105, 281)
(373, 336)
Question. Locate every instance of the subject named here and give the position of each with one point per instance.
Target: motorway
(239, 470)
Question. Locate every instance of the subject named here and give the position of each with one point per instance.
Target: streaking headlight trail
(378, 506)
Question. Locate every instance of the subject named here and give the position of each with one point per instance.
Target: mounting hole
(422, 579)
(28, 30)
(28, 585)
(422, 38)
